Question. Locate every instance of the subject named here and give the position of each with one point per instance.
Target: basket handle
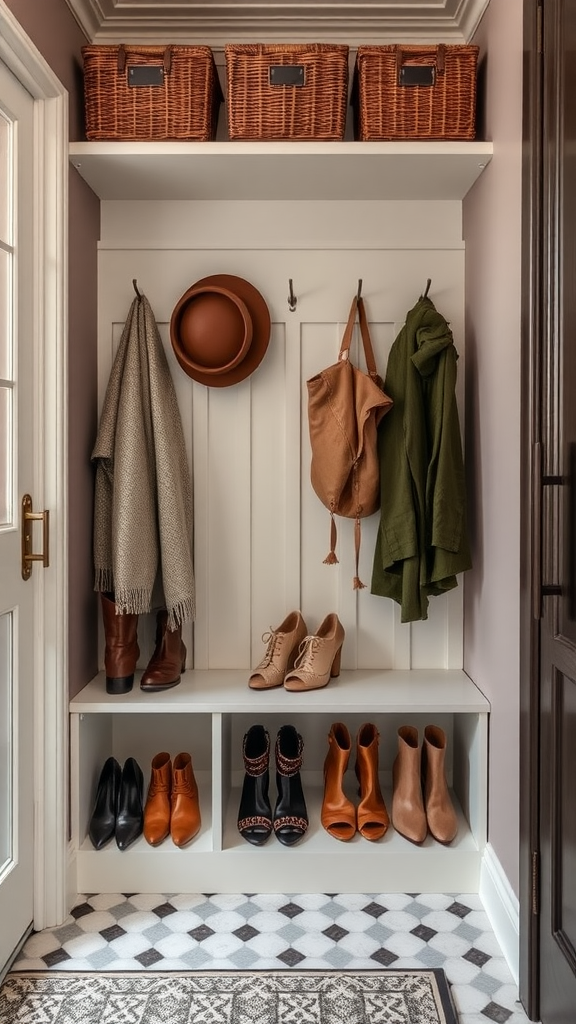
(122, 59)
(439, 63)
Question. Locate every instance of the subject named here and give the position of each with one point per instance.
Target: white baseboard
(502, 907)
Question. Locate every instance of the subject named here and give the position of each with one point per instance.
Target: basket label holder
(145, 74)
(287, 74)
(417, 74)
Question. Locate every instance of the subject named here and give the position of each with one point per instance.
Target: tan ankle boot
(440, 813)
(157, 807)
(121, 652)
(338, 815)
(281, 649)
(408, 814)
(169, 658)
(185, 808)
(372, 816)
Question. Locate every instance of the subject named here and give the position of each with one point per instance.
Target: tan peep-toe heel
(318, 657)
(281, 649)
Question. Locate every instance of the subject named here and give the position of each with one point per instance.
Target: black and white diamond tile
(128, 932)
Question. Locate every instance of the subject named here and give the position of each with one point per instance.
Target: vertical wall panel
(261, 533)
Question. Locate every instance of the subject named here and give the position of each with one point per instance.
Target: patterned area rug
(229, 997)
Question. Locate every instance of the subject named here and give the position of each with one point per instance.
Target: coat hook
(428, 283)
(359, 295)
(135, 283)
(292, 300)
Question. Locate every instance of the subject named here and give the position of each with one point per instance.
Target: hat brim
(259, 315)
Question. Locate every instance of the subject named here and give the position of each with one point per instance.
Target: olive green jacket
(422, 540)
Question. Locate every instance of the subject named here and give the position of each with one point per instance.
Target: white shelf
(426, 691)
(281, 170)
(318, 863)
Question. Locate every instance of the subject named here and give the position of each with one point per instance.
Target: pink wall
(52, 28)
(492, 227)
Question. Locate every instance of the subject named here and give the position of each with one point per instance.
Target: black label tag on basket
(417, 74)
(141, 74)
(286, 74)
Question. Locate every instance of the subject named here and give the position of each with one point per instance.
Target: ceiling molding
(214, 22)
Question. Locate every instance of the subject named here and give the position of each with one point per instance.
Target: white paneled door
(17, 595)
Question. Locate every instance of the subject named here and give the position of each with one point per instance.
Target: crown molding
(213, 23)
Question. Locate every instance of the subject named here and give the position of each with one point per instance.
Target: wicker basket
(150, 92)
(415, 92)
(287, 91)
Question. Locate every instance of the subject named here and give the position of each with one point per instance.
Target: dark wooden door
(555, 478)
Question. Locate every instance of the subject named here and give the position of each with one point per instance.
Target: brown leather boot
(372, 816)
(185, 808)
(338, 815)
(157, 807)
(442, 820)
(121, 652)
(169, 658)
(408, 814)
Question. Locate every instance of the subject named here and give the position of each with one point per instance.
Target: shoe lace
(306, 651)
(273, 641)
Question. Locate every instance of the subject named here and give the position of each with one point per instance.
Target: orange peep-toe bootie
(338, 814)
(372, 816)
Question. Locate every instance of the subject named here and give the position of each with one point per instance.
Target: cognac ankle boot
(168, 660)
(121, 652)
(185, 808)
(440, 812)
(157, 807)
(338, 815)
(372, 816)
(408, 815)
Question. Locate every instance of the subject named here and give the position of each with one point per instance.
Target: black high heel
(255, 812)
(103, 820)
(130, 811)
(290, 812)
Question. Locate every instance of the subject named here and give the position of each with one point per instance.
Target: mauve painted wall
(492, 226)
(52, 28)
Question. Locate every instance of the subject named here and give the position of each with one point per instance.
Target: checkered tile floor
(185, 932)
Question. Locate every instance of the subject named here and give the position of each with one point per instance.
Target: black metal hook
(138, 293)
(359, 295)
(428, 283)
(292, 300)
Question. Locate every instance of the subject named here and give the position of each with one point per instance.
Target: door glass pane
(6, 504)
(6, 669)
(6, 259)
(5, 135)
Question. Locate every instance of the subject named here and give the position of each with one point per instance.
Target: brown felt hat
(220, 330)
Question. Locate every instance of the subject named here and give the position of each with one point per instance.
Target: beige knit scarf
(143, 491)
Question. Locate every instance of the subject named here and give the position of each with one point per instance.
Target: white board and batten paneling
(260, 537)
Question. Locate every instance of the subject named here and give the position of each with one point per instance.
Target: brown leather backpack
(345, 406)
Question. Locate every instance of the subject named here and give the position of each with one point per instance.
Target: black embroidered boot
(290, 813)
(255, 812)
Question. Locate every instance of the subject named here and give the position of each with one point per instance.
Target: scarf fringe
(180, 613)
(133, 602)
(104, 581)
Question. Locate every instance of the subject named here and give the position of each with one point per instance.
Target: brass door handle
(28, 557)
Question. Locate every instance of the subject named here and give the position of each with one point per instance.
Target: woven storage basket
(150, 92)
(287, 91)
(415, 92)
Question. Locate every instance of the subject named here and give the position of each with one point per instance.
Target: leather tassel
(331, 558)
(357, 585)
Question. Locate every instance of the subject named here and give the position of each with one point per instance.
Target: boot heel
(335, 670)
(119, 684)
